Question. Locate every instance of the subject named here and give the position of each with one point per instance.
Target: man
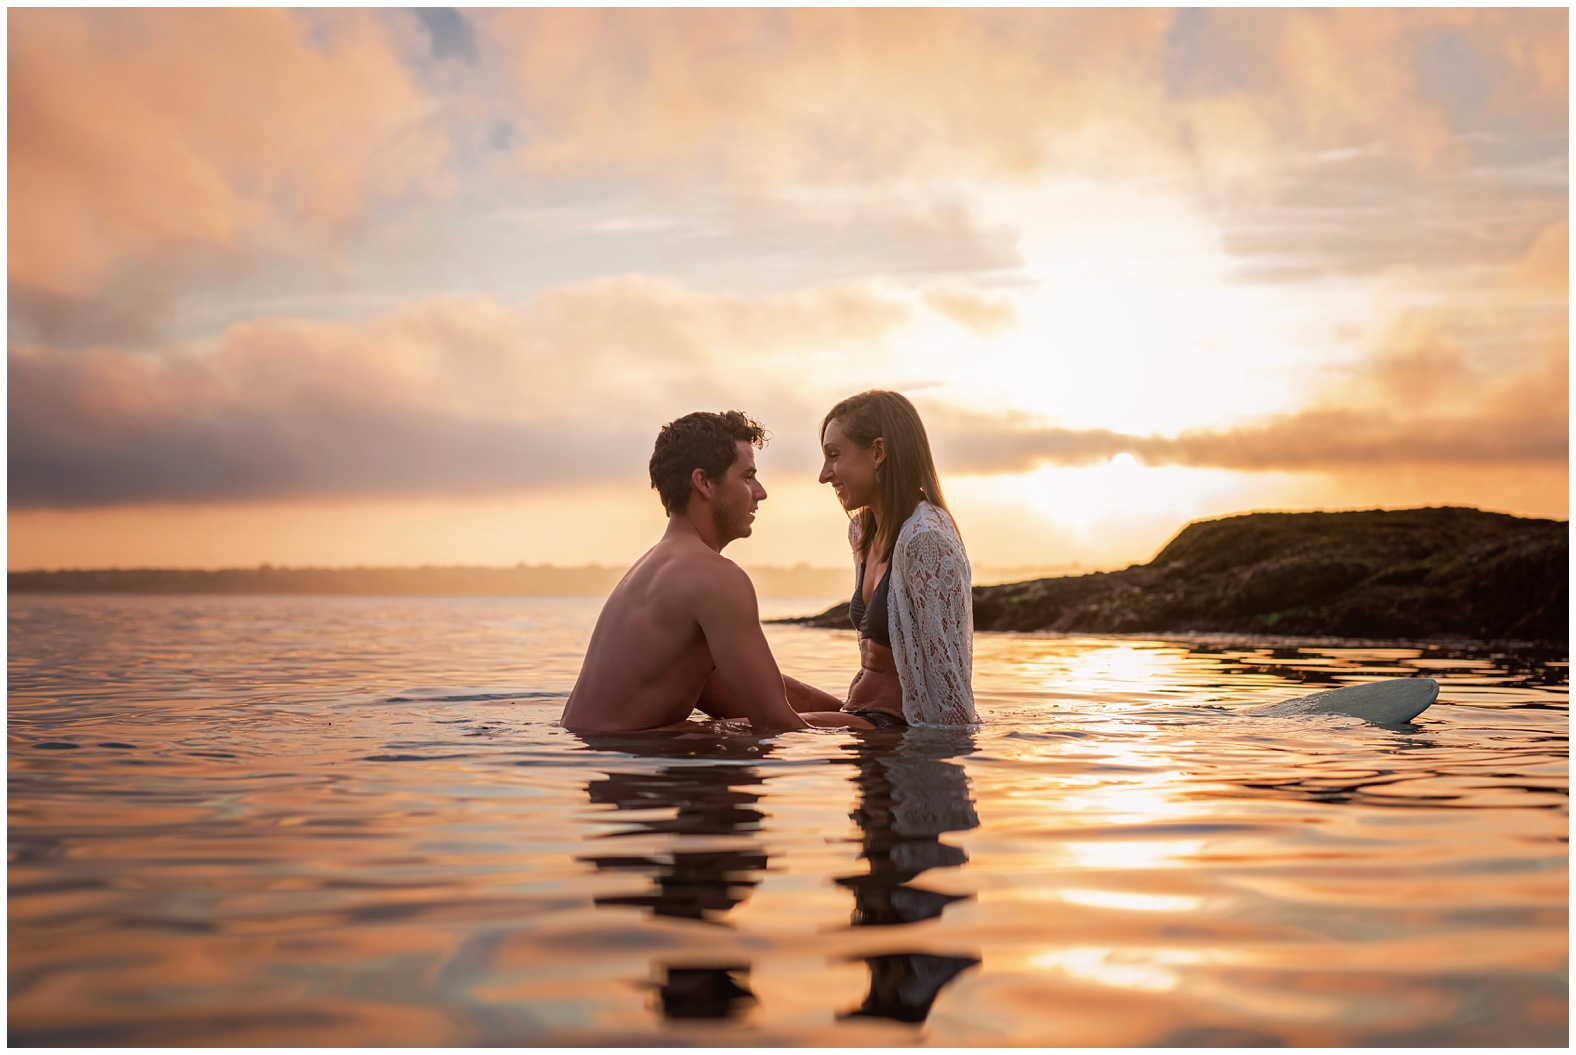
(682, 629)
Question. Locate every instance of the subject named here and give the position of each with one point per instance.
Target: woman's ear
(878, 450)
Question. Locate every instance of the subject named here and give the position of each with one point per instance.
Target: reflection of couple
(682, 629)
(910, 793)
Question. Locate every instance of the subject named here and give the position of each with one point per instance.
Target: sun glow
(1135, 322)
(1106, 515)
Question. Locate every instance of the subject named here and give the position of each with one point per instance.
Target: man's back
(648, 659)
(684, 615)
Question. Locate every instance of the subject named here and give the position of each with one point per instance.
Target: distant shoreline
(536, 580)
(1436, 574)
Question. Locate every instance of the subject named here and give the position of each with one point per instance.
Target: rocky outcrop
(1412, 573)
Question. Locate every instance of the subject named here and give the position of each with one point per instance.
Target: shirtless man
(682, 629)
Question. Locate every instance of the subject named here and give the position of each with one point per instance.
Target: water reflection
(909, 795)
(704, 992)
(705, 799)
(1160, 872)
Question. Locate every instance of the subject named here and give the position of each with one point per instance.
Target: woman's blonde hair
(907, 475)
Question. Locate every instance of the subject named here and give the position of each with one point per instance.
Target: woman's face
(850, 468)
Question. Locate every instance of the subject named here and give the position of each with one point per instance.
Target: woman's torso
(876, 686)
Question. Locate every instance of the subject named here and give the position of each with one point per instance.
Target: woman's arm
(937, 628)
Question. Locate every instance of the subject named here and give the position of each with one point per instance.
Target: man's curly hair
(701, 440)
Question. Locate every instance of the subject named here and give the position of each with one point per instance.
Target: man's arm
(717, 699)
(730, 619)
(809, 698)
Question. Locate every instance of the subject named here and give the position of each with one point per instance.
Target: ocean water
(353, 821)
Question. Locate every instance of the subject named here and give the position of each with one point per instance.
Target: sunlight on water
(354, 821)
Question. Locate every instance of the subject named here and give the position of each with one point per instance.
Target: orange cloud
(771, 96)
(775, 96)
(441, 396)
(150, 135)
(972, 310)
(1546, 265)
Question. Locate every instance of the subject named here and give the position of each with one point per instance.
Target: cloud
(774, 97)
(444, 396)
(150, 149)
(144, 145)
(1348, 141)
(468, 395)
(984, 315)
(1477, 379)
(1320, 440)
(452, 36)
(780, 95)
(1334, 141)
(1363, 211)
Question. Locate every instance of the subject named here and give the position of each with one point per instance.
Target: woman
(912, 603)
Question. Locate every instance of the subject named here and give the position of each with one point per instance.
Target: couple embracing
(681, 631)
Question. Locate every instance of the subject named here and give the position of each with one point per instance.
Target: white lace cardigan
(930, 616)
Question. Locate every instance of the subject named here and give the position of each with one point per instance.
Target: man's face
(738, 493)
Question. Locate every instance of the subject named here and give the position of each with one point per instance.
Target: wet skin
(682, 628)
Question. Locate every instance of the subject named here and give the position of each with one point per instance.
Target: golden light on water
(1090, 867)
(1127, 901)
(1145, 970)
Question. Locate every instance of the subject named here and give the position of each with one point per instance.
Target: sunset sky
(401, 287)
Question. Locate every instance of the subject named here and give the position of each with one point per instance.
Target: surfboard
(1387, 702)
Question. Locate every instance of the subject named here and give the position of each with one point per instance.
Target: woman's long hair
(907, 475)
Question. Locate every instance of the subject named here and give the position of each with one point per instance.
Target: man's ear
(702, 483)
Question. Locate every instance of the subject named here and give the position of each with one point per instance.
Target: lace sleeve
(932, 622)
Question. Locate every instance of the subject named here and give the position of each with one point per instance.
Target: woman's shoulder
(927, 519)
(928, 528)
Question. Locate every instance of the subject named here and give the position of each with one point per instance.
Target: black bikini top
(871, 622)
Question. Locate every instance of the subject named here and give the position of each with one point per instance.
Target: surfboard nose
(1386, 702)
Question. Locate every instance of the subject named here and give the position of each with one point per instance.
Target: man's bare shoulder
(693, 558)
(692, 573)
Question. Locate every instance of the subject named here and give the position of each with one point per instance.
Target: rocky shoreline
(1446, 573)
